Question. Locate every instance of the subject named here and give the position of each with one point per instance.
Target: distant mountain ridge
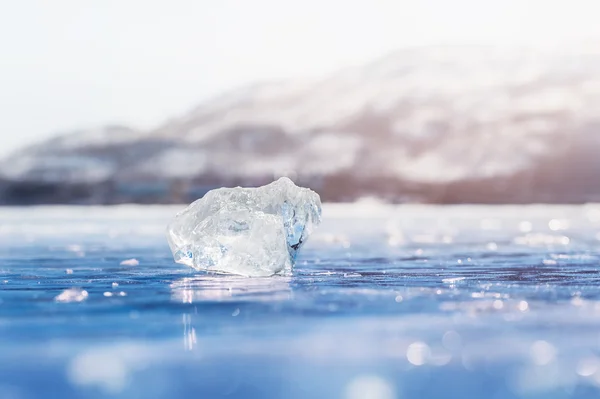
(438, 124)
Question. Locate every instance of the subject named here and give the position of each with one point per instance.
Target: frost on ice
(246, 231)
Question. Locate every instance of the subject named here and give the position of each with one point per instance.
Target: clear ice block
(246, 231)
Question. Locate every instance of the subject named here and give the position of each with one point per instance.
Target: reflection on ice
(220, 288)
(189, 333)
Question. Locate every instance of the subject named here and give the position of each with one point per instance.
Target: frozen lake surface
(385, 302)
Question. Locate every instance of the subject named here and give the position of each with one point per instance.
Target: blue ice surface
(385, 302)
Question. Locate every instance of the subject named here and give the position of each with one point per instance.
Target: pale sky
(68, 64)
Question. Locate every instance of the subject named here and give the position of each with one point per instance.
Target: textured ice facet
(246, 231)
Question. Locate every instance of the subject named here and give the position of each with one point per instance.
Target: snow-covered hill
(444, 124)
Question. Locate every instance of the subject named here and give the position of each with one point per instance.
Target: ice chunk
(130, 262)
(72, 295)
(246, 231)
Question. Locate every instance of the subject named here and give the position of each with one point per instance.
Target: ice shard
(246, 231)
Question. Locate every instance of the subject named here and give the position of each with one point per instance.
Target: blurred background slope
(487, 104)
